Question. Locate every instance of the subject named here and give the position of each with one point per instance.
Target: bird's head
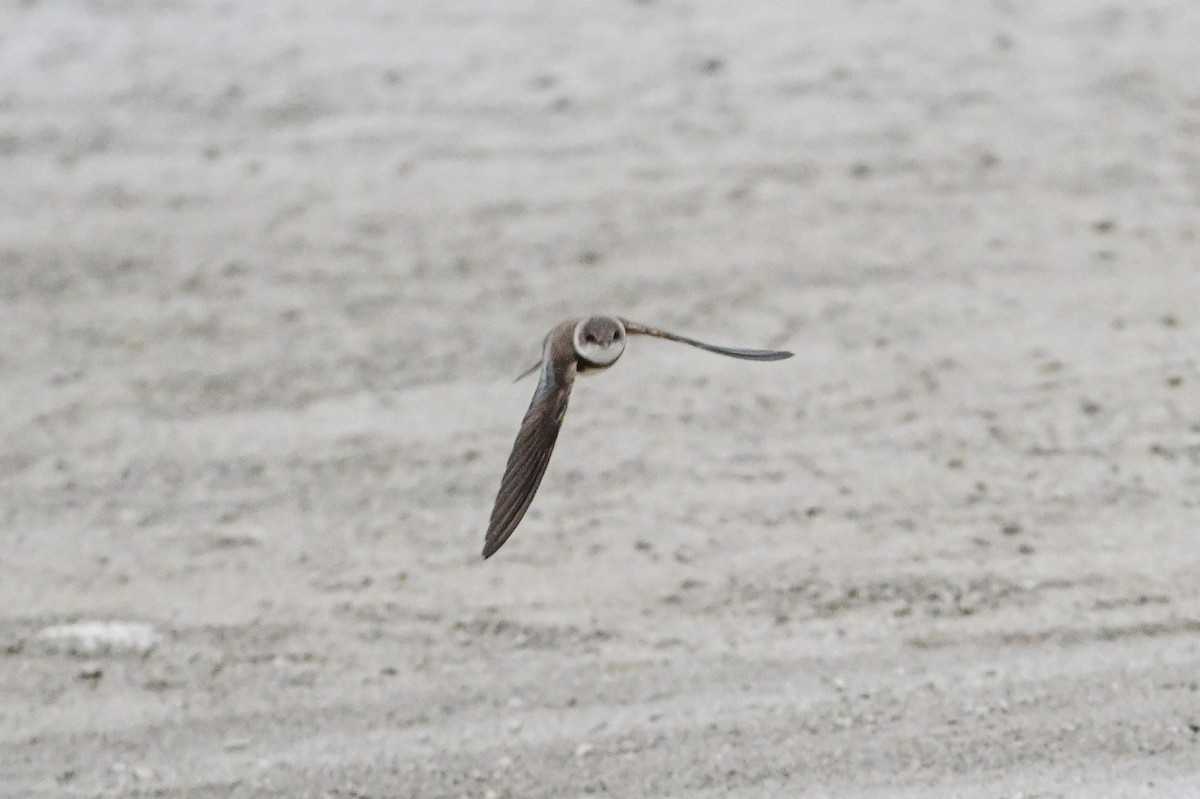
(599, 341)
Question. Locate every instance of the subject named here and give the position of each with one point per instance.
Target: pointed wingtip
(527, 372)
(766, 355)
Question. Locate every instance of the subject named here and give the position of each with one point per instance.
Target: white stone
(91, 638)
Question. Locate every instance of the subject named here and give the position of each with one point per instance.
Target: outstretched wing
(530, 453)
(636, 328)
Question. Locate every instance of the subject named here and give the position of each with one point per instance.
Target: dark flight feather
(530, 454)
(636, 328)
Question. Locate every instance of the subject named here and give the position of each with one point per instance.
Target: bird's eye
(590, 338)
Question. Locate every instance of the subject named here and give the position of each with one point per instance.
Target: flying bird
(576, 346)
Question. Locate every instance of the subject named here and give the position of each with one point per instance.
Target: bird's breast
(585, 367)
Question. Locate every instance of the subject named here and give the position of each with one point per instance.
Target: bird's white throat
(596, 350)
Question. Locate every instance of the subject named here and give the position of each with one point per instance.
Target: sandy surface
(267, 270)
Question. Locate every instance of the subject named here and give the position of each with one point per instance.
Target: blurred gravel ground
(267, 270)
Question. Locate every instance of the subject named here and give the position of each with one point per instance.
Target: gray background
(267, 270)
